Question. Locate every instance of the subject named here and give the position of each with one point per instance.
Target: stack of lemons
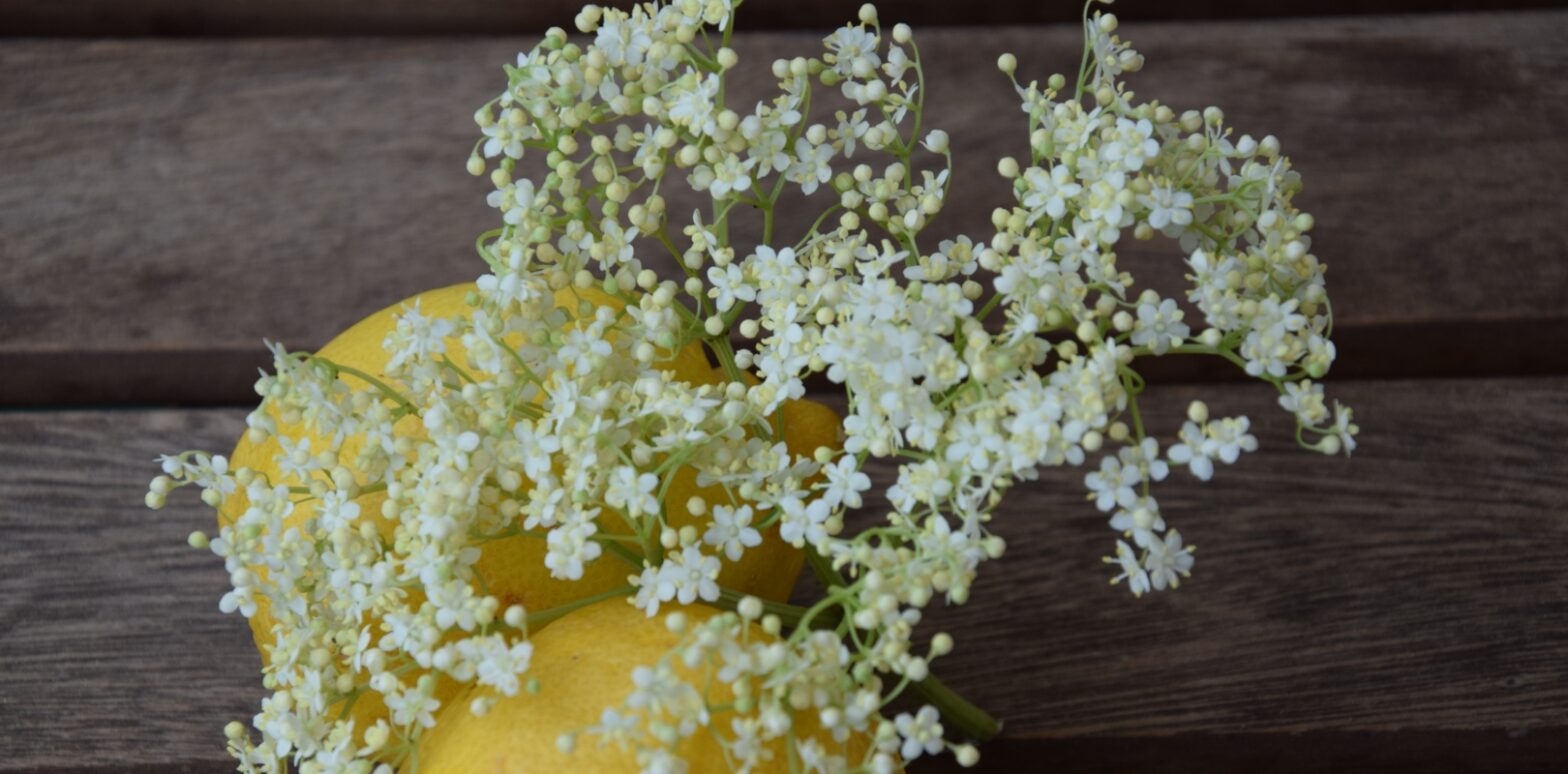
(583, 659)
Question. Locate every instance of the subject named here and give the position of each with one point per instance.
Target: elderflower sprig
(969, 365)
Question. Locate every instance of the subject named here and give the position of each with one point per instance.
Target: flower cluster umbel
(969, 364)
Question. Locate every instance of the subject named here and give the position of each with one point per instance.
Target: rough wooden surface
(115, 655)
(164, 205)
(1402, 610)
(491, 17)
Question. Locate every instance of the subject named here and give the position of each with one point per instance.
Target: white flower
(853, 52)
(412, 706)
(1105, 208)
(1167, 206)
(769, 147)
(1305, 400)
(570, 547)
(580, 347)
(802, 524)
(1111, 55)
(615, 727)
(1141, 519)
(1159, 327)
(1168, 562)
(1273, 342)
(1221, 439)
(650, 591)
(851, 127)
(535, 446)
(623, 42)
(1113, 485)
(728, 284)
(1228, 438)
(632, 492)
(455, 605)
(1146, 457)
(506, 138)
(498, 664)
(690, 575)
(1049, 192)
(922, 732)
(416, 337)
(747, 744)
(694, 108)
(732, 531)
(1344, 429)
(1132, 572)
(296, 461)
(845, 482)
(514, 201)
(1132, 145)
(336, 510)
(813, 165)
(1190, 452)
(241, 598)
(731, 176)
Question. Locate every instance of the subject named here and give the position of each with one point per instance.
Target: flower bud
(936, 141)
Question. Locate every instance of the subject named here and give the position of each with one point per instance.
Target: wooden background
(180, 179)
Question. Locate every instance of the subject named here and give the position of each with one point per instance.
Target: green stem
(990, 304)
(958, 714)
(623, 553)
(823, 569)
(725, 352)
(1088, 46)
(380, 386)
(1198, 349)
(536, 620)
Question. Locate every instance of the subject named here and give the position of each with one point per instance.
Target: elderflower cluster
(968, 364)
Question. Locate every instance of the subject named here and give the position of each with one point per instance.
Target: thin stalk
(536, 620)
(957, 713)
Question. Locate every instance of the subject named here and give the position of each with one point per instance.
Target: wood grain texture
(163, 203)
(490, 17)
(1402, 610)
(115, 653)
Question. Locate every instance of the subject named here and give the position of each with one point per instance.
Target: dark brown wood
(492, 17)
(1350, 614)
(167, 204)
(1401, 610)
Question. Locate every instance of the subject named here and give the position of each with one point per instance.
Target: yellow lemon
(513, 568)
(584, 664)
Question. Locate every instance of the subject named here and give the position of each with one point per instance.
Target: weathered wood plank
(1403, 610)
(492, 17)
(166, 202)
(115, 653)
(1364, 614)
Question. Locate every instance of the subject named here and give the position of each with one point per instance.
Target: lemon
(584, 663)
(513, 568)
